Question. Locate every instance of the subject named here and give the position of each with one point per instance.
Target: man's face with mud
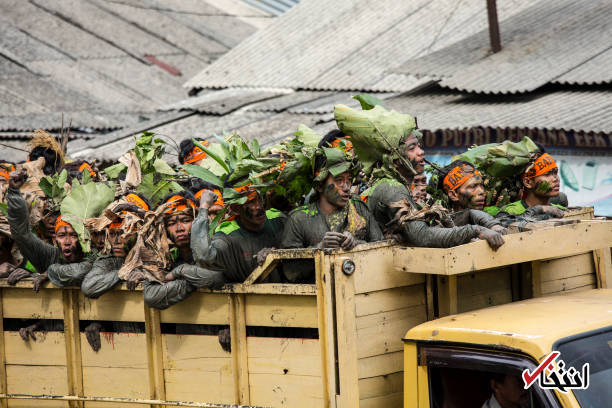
(336, 190)
(545, 185)
(67, 241)
(253, 214)
(178, 227)
(413, 151)
(121, 243)
(470, 194)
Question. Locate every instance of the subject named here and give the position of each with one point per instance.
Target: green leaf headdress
(86, 201)
(377, 135)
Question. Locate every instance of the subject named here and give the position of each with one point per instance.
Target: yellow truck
(453, 361)
(335, 343)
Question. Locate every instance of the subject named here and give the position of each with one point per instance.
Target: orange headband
(458, 176)
(348, 145)
(5, 170)
(196, 154)
(542, 165)
(59, 223)
(178, 203)
(137, 201)
(219, 201)
(86, 166)
(251, 193)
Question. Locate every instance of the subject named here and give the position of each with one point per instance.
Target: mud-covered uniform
(232, 248)
(474, 217)
(39, 253)
(415, 233)
(71, 274)
(307, 224)
(187, 278)
(520, 207)
(102, 277)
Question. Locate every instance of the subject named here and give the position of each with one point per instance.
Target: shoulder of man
(227, 227)
(515, 208)
(273, 214)
(306, 210)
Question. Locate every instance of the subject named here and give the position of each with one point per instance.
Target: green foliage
(148, 150)
(500, 160)
(3, 208)
(53, 187)
(368, 101)
(375, 132)
(155, 188)
(113, 171)
(203, 173)
(85, 201)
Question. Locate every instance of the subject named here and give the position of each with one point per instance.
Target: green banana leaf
(373, 132)
(505, 159)
(307, 136)
(203, 173)
(86, 201)
(368, 101)
(155, 189)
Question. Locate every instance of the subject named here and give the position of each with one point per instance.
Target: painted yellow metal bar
(5, 397)
(411, 390)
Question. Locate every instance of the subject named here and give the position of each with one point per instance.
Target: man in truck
(463, 185)
(184, 277)
(399, 158)
(333, 219)
(540, 184)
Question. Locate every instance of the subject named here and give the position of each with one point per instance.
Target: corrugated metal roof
(225, 101)
(544, 42)
(589, 111)
(347, 44)
(275, 7)
(86, 59)
(597, 70)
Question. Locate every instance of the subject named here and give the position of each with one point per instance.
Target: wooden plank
(447, 295)
(567, 267)
(390, 299)
(565, 292)
(603, 267)
(386, 336)
(116, 305)
(326, 329)
(300, 289)
(420, 260)
(199, 308)
(536, 279)
(385, 401)
(48, 349)
(42, 380)
(195, 352)
(482, 300)
(346, 310)
(157, 389)
(272, 390)
(281, 311)
(429, 296)
(116, 382)
(381, 385)
(562, 285)
(200, 386)
(484, 281)
(25, 304)
(240, 362)
(3, 354)
(417, 312)
(374, 270)
(284, 356)
(561, 241)
(382, 364)
(117, 350)
(73, 345)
